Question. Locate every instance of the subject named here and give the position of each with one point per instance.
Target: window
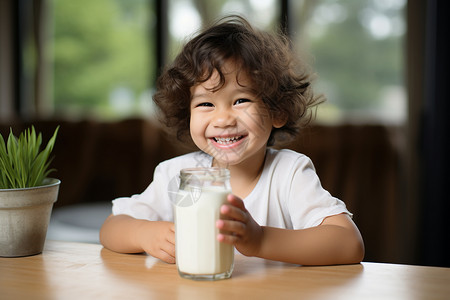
(103, 58)
(357, 49)
(105, 52)
(186, 17)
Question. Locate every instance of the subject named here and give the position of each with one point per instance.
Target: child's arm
(125, 234)
(336, 241)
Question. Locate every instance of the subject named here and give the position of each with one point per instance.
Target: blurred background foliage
(103, 58)
(104, 63)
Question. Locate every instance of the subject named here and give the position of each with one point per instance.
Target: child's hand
(238, 228)
(159, 240)
(125, 234)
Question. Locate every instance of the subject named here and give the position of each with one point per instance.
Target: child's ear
(279, 121)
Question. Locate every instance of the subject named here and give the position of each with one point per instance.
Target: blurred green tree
(100, 47)
(357, 47)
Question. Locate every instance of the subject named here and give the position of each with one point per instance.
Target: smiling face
(231, 124)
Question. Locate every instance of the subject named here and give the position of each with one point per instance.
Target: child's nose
(224, 118)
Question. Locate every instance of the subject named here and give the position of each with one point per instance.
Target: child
(234, 91)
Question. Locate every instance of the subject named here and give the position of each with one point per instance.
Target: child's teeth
(226, 141)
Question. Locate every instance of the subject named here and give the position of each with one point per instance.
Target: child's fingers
(171, 238)
(227, 238)
(236, 201)
(166, 256)
(169, 248)
(230, 227)
(235, 213)
(165, 252)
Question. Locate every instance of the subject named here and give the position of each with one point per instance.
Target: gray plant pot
(24, 217)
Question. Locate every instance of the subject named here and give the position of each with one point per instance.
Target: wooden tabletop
(88, 271)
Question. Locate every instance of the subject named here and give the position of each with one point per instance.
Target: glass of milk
(199, 254)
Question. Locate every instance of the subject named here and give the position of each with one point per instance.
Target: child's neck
(245, 176)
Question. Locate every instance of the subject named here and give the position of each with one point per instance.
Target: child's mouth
(227, 140)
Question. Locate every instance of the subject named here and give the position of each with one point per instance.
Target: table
(67, 270)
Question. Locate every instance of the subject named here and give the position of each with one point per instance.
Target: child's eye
(205, 104)
(242, 100)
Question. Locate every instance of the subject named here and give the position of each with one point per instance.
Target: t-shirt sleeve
(153, 204)
(308, 202)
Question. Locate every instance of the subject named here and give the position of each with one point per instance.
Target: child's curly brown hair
(278, 77)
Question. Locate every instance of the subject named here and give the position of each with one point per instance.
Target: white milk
(197, 250)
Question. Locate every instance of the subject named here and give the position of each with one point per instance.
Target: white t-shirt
(288, 194)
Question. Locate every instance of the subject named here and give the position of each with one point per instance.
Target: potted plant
(26, 193)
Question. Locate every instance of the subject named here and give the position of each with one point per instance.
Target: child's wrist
(140, 233)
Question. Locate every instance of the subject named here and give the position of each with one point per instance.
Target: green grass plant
(22, 163)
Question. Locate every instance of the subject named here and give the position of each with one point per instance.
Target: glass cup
(199, 255)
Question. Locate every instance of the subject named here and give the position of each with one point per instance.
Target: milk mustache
(197, 208)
